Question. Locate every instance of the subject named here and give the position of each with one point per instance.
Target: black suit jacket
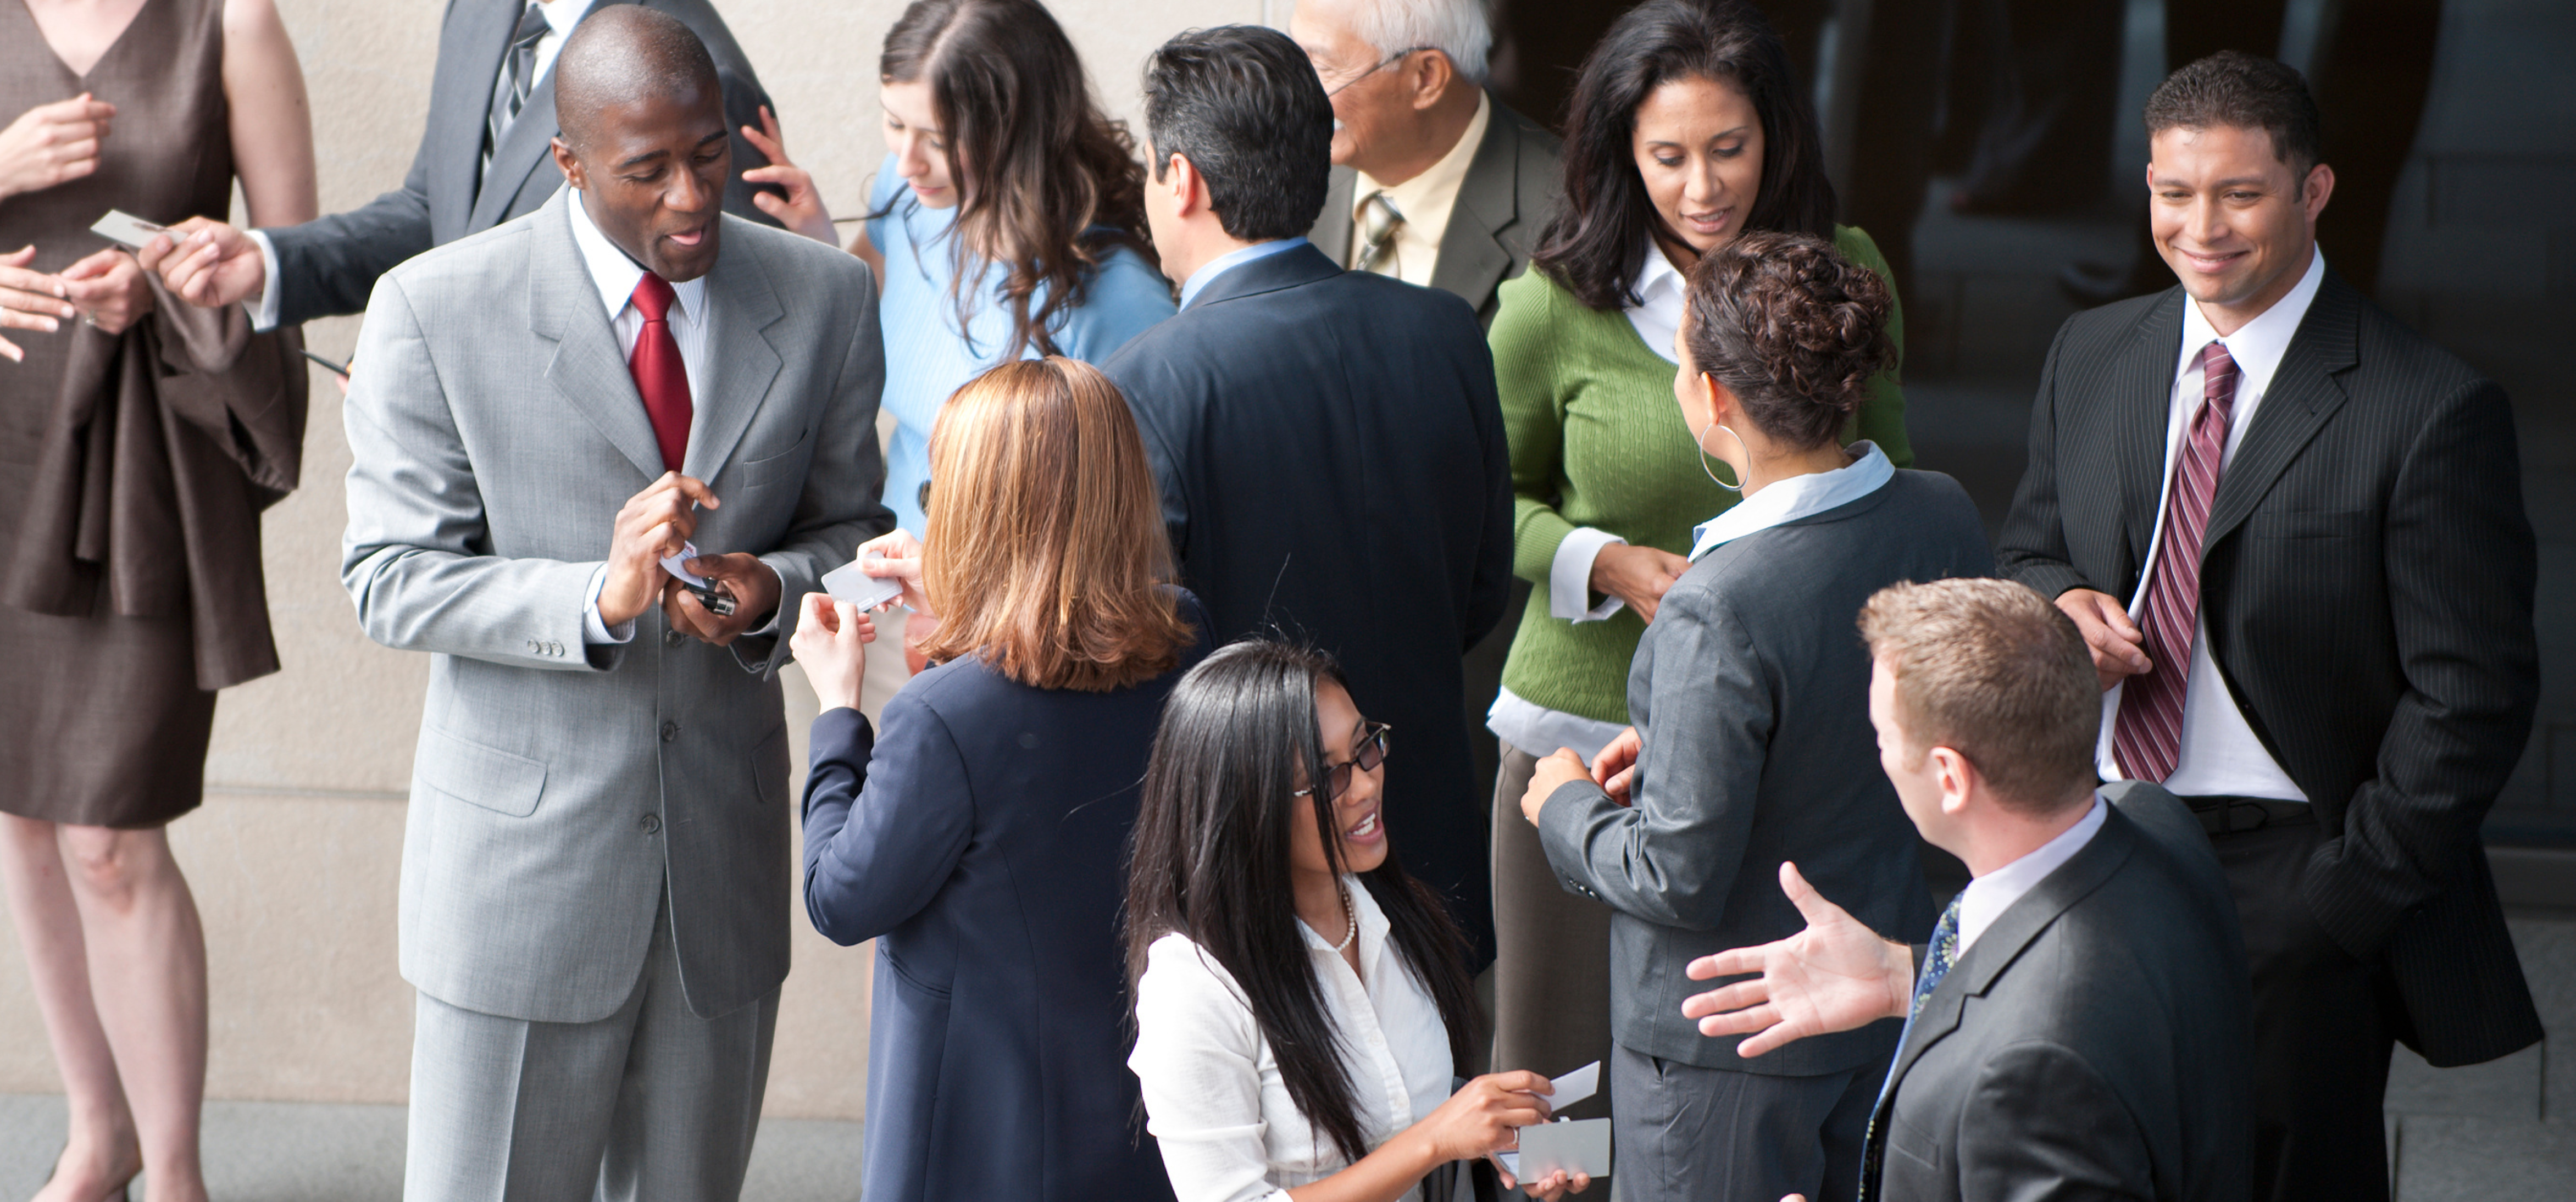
(328, 266)
(1332, 464)
(2093, 1043)
(1509, 192)
(2366, 579)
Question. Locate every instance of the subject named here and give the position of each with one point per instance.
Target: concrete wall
(294, 855)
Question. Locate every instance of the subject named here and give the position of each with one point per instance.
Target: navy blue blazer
(981, 842)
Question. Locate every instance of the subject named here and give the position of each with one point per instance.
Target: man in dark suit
(2292, 532)
(484, 158)
(2105, 1054)
(1328, 444)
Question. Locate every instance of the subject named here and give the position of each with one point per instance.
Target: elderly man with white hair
(1435, 181)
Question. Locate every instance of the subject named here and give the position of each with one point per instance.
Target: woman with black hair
(1686, 129)
(1300, 1001)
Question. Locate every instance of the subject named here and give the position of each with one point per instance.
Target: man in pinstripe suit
(2292, 531)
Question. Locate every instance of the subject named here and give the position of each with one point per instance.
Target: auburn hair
(1047, 555)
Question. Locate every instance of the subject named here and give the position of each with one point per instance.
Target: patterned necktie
(517, 79)
(1378, 223)
(1937, 959)
(660, 377)
(2147, 735)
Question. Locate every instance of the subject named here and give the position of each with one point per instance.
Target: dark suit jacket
(2366, 580)
(1751, 690)
(1510, 191)
(2092, 1043)
(327, 266)
(1332, 465)
(982, 843)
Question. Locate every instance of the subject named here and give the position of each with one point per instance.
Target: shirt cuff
(1569, 576)
(263, 308)
(595, 631)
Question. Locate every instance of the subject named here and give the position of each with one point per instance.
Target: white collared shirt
(1424, 202)
(560, 15)
(1988, 896)
(1661, 292)
(1213, 1094)
(2220, 755)
(1785, 501)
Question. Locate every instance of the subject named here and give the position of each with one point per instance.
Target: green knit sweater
(1598, 441)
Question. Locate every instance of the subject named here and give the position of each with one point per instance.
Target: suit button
(670, 731)
(650, 823)
(670, 638)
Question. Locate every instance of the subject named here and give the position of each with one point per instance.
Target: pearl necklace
(1351, 916)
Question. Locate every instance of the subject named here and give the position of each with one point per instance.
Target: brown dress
(133, 467)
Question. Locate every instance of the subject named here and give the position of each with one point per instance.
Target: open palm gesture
(1836, 975)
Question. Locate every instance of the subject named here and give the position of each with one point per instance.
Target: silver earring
(1699, 442)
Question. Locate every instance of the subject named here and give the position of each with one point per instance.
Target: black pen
(338, 369)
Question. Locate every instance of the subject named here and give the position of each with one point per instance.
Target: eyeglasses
(1382, 64)
(1370, 757)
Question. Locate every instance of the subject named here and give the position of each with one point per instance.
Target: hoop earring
(1699, 442)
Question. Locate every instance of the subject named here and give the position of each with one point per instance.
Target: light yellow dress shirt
(1425, 201)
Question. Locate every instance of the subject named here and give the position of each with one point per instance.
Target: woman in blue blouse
(1007, 222)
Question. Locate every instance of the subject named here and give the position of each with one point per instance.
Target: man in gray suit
(484, 158)
(2108, 1052)
(595, 889)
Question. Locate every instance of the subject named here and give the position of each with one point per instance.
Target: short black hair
(2233, 88)
(1243, 105)
(624, 52)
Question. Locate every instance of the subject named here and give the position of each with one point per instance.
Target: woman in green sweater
(1687, 127)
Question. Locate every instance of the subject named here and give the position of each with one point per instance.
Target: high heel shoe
(124, 1190)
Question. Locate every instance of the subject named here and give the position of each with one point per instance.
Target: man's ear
(1956, 777)
(570, 166)
(1189, 192)
(2319, 186)
(1434, 79)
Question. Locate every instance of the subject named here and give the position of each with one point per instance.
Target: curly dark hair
(1792, 328)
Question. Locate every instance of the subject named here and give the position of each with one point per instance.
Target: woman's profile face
(1357, 816)
(920, 147)
(1698, 146)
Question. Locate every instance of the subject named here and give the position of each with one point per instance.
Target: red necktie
(2147, 735)
(660, 378)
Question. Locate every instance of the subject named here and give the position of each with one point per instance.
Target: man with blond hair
(2106, 1054)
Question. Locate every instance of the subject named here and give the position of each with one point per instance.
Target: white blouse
(1213, 1094)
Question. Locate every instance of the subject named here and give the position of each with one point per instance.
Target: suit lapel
(741, 362)
(586, 368)
(1332, 233)
(1472, 260)
(2145, 386)
(2302, 396)
(482, 33)
(528, 142)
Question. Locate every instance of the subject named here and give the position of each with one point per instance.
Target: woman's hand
(1616, 767)
(831, 642)
(52, 144)
(29, 300)
(1483, 1116)
(898, 559)
(1553, 773)
(802, 211)
(109, 290)
(1637, 575)
(1549, 1188)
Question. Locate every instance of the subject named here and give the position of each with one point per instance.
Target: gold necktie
(1378, 222)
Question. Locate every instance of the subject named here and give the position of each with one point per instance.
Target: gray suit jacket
(558, 792)
(1510, 191)
(1751, 690)
(327, 266)
(2093, 1043)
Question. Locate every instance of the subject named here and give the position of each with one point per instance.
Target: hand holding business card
(1576, 1146)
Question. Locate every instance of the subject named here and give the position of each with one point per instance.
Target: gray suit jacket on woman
(1751, 691)
(559, 790)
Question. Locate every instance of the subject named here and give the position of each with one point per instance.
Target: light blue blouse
(927, 357)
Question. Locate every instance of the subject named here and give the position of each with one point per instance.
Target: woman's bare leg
(147, 970)
(102, 1151)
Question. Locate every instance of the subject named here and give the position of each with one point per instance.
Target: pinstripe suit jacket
(2366, 580)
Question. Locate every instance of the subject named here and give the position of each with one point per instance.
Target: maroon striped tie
(2147, 736)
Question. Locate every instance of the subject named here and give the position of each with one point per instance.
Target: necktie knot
(653, 296)
(2218, 377)
(1378, 221)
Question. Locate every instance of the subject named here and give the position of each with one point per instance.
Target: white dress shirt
(1988, 896)
(2220, 755)
(1213, 1094)
(560, 15)
(1424, 202)
(1210, 270)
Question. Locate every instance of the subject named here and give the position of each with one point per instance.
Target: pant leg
(1683, 1133)
(688, 1104)
(504, 1110)
(2324, 1025)
(1552, 965)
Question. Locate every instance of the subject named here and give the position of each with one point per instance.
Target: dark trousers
(1683, 1133)
(2324, 1025)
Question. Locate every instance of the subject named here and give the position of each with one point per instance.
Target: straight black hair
(1595, 246)
(1210, 861)
(1243, 105)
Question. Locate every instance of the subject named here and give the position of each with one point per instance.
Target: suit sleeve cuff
(1569, 576)
(263, 306)
(595, 631)
(1561, 821)
(769, 629)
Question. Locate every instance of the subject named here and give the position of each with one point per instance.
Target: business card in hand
(848, 583)
(121, 226)
(1553, 1145)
